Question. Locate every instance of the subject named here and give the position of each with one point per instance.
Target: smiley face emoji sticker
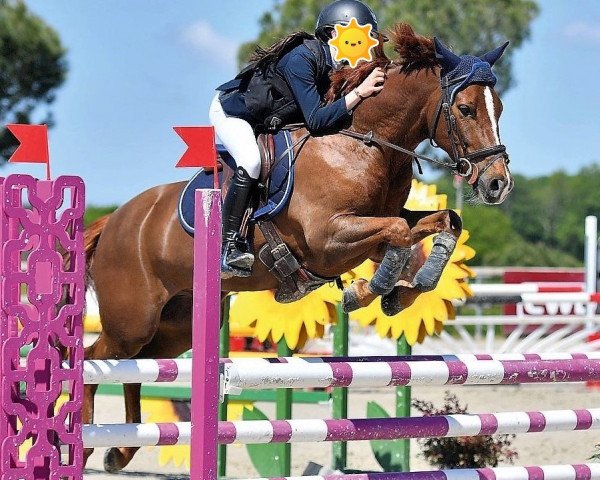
(353, 42)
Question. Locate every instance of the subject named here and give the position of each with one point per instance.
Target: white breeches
(237, 136)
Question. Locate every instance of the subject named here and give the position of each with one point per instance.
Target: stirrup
(239, 254)
(228, 271)
(234, 262)
(239, 258)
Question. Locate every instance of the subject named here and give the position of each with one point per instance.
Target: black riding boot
(236, 259)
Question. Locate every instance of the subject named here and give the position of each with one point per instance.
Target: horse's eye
(465, 110)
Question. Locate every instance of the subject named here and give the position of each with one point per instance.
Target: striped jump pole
(346, 430)
(297, 372)
(583, 297)
(583, 471)
(304, 373)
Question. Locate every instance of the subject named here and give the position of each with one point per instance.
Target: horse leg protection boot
(390, 269)
(426, 279)
(383, 282)
(235, 261)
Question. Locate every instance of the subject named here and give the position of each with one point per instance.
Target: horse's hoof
(350, 300)
(390, 303)
(111, 460)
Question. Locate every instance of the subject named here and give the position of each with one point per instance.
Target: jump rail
(582, 471)
(296, 372)
(346, 430)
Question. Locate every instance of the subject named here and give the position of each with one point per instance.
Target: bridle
(465, 165)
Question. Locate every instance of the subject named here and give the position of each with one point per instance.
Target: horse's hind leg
(117, 458)
(100, 349)
(448, 225)
(173, 337)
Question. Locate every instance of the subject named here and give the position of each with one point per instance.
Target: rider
(301, 77)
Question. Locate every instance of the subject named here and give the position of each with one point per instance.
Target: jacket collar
(331, 63)
(328, 58)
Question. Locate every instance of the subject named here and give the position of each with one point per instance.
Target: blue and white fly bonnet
(458, 72)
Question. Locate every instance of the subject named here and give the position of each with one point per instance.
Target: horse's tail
(90, 241)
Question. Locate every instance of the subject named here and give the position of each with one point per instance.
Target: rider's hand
(372, 84)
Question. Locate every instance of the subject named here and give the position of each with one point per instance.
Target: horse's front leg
(356, 237)
(448, 225)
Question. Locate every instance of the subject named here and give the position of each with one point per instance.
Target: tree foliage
(32, 67)
(469, 26)
(94, 212)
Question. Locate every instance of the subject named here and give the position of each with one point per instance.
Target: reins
(464, 165)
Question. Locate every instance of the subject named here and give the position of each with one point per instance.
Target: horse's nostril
(496, 185)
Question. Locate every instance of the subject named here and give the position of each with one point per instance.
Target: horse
(347, 206)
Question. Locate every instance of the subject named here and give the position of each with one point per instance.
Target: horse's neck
(400, 112)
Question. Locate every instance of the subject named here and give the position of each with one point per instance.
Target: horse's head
(466, 122)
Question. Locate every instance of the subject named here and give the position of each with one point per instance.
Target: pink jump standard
(205, 337)
(42, 265)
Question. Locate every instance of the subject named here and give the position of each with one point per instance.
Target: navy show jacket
(299, 68)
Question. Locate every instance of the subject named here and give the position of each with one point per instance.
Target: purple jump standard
(205, 335)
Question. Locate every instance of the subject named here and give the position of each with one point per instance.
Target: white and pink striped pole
(205, 336)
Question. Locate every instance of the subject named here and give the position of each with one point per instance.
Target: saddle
(276, 184)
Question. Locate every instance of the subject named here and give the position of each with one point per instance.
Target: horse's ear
(447, 58)
(493, 56)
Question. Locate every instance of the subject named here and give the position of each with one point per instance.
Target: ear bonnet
(458, 72)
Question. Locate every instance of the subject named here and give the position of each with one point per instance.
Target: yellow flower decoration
(306, 318)
(296, 322)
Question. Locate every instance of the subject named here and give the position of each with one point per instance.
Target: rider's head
(339, 13)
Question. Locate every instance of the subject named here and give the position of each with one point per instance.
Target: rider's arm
(300, 73)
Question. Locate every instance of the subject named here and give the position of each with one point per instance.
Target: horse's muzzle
(495, 189)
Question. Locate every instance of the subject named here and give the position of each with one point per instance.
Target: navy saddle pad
(281, 183)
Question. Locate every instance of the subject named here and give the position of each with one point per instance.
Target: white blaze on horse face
(489, 103)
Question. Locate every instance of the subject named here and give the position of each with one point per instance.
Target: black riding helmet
(340, 12)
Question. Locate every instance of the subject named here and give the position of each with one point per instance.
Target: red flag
(33, 146)
(201, 150)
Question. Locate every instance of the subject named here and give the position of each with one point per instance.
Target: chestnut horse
(346, 207)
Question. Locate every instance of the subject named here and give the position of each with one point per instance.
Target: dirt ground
(533, 449)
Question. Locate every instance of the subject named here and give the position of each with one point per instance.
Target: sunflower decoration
(308, 317)
(296, 322)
